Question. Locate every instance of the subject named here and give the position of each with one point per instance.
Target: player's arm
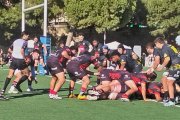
(96, 66)
(10, 49)
(44, 49)
(66, 55)
(90, 47)
(104, 63)
(117, 67)
(164, 64)
(107, 63)
(158, 97)
(157, 57)
(166, 61)
(166, 57)
(156, 62)
(22, 52)
(122, 66)
(122, 62)
(79, 51)
(1, 52)
(23, 49)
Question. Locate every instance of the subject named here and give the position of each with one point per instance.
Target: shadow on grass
(33, 93)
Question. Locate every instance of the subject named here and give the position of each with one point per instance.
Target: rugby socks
(166, 95)
(172, 99)
(83, 90)
(52, 92)
(71, 89)
(23, 78)
(178, 94)
(36, 67)
(14, 83)
(34, 78)
(6, 83)
(98, 81)
(29, 83)
(125, 95)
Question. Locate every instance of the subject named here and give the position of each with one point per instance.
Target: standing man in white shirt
(18, 61)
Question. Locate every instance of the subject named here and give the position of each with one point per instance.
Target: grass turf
(37, 106)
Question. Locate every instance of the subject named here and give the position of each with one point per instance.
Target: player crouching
(77, 69)
(115, 84)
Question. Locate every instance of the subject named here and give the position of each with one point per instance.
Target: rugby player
(42, 48)
(151, 50)
(129, 60)
(26, 74)
(77, 69)
(18, 58)
(56, 65)
(170, 60)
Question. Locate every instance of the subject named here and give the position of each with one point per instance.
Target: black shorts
(104, 75)
(74, 71)
(126, 77)
(18, 64)
(124, 87)
(174, 74)
(53, 66)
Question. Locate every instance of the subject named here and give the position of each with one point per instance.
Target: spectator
(96, 46)
(85, 43)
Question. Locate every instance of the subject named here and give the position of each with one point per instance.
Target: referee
(17, 50)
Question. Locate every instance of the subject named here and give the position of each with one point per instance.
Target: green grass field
(37, 106)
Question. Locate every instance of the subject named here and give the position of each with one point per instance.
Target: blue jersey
(169, 51)
(127, 57)
(157, 53)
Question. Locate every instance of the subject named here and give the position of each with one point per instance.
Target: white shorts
(17, 71)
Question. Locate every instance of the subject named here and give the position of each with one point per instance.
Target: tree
(10, 20)
(103, 15)
(163, 16)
